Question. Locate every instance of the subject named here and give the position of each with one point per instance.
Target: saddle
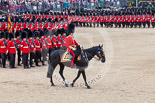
(66, 56)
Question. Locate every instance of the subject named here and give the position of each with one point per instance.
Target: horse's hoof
(72, 85)
(66, 85)
(88, 87)
(52, 85)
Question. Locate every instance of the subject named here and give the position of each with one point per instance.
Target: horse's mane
(91, 49)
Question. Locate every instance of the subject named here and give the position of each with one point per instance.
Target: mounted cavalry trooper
(71, 44)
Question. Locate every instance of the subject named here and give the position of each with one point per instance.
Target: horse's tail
(49, 73)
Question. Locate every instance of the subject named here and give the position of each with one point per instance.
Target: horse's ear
(101, 45)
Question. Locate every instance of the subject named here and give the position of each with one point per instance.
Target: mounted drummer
(71, 44)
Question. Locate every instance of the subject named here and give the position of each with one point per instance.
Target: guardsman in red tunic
(3, 46)
(44, 50)
(63, 32)
(24, 48)
(11, 49)
(18, 41)
(54, 42)
(25, 25)
(38, 48)
(59, 39)
(4, 26)
(49, 44)
(71, 44)
(153, 22)
(31, 47)
(148, 20)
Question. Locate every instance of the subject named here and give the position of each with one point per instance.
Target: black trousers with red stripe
(3, 56)
(12, 60)
(37, 57)
(25, 60)
(32, 57)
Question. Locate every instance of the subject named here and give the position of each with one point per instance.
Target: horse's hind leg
(61, 74)
(50, 73)
(52, 84)
(84, 77)
(78, 75)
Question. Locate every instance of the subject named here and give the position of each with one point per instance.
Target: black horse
(86, 55)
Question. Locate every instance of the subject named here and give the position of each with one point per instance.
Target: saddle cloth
(67, 57)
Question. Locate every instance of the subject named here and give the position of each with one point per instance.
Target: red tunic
(54, 42)
(11, 47)
(44, 44)
(2, 47)
(24, 47)
(49, 45)
(69, 41)
(63, 37)
(18, 42)
(37, 43)
(59, 42)
(31, 46)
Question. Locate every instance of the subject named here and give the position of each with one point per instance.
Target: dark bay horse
(88, 54)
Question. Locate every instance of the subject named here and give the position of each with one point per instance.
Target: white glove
(7, 52)
(81, 46)
(74, 49)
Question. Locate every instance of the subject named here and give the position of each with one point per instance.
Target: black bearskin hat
(17, 34)
(63, 31)
(58, 32)
(70, 29)
(11, 35)
(37, 34)
(56, 19)
(42, 33)
(30, 34)
(23, 35)
(6, 34)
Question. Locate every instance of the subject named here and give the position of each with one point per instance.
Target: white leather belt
(2, 46)
(25, 47)
(37, 46)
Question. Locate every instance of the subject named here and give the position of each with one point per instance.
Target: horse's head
(100, 53)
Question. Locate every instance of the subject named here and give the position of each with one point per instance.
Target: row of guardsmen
(31, 47)
(91, 18)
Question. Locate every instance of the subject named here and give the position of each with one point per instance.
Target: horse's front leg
(51, 80)
(61, 74)
(78, 75)
(84, 77)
